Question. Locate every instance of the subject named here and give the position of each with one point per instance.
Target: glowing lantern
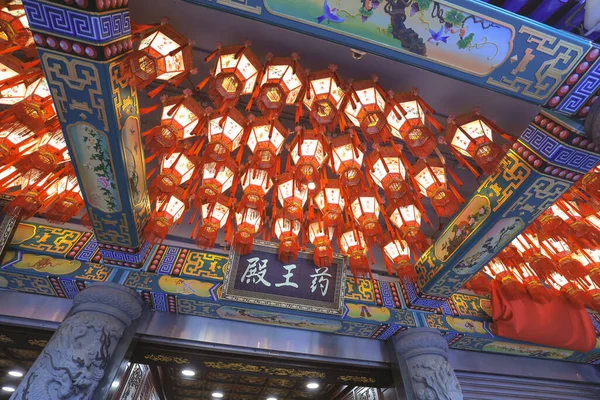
(168, 212)
(14, 27)
(292, 195)
(320, 237)
(388, 172)
(216, 178)
(591, 183)
(225, 133)
(30, 197)
(331, 203)
(431, 177)
(164, 54)
(578, 297)
(248, 221)
(364, 106)
(407, 118)
(266, 141)
(594, 256)
(64, 200)
(552, 220)
(471, 136)
(347, 157)
(282, 83)
(529, 247)
(50, 151)
(397, 257)
(511, 286)
(324, 98)
(287, 232)
(408, 220)
(37, 106)
(214, 217)
(308, 151)
(234, 74)
(352, 244)
(256, 183)
(182, 117)
(176, 169)
(559, 250)
(365, 210)
(15, 139)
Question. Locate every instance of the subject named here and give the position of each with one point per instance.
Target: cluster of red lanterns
(557, 254)
(252, 176)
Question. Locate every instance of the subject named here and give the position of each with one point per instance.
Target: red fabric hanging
(555, 324)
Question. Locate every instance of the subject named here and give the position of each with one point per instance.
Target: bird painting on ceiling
(437, 37)
(329, 14)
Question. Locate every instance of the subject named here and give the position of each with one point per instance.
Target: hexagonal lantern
(265, 140)
(256, 184)
(397, 256)
(292, 195)
(347, 156)
(225, 132)
(408, 219)
(287, 232)
(309, 152)
(331, 203)
(167, 213)
(249, 222)
(176, 169)
(324, 97)
(430, 175)
(214, 216)
(365, 210)
(216, 178)
(321, 237)
(352, 244)
(282, 83)
(364, 106)
(388, 172)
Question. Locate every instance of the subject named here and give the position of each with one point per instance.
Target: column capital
(423, 358)
(110, 298)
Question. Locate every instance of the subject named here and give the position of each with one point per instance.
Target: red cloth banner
(557, 323)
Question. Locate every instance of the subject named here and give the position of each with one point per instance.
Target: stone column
(75, 359)
(422, 355)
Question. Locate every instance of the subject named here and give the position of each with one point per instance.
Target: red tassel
(147, 110)
(453, 175)
(203, 83)
(157, 90)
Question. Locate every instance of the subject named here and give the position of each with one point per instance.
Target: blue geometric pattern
(134, 258)
(386, 294)
(77, 24)
(168, 260)
(557, 153)
(69, 287)
(160, 301)
(88, 251)
(596, 325)
(417, 301)
(582, 92)
(446, 310)
(389, 332)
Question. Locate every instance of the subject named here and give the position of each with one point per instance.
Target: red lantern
(216, 178)
(248, 221)
(364, 107)
(471, 136)
(182, 118)
(168, 212)
(282, 83)
(308, 151)
(320, 237)
(265, 140)
(479, 284)
(569, 265)
(176, 169)
(164, 54)
(37, 107)
(550, 223)
(292, 195)
(324, 99)
(591, 183)
(408, 220)
(64, 200)
(510, 285)
(431, 177)
(235, 74)
(352, 244)
(347, 157)
(388, 172)
(407, 117)
(225, 133)
(331, 203)
(30, 197)
(256, 184)
(397, 257)
(529, 247)
(579, 298)
(14, 29)
(15, 140)
(287, 232)
(214, 216)
(365, 210)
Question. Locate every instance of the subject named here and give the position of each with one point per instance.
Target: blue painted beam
(546, 9)
(80, 49)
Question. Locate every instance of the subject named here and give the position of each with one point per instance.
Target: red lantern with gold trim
(168, 212)
(365, 210)
(397, 257)
(308, 152)
(321, 237)
(256, 183)
(292, 195)
(214, 217)
(265, 140)
(479, 284)
(364, 106)
(388, 172)
(287, 232)
(408, 220)
(324, 98)
(15, 140)
(510, 284)
(249, 222)
(346, 159)
(561, 253)
(234, 75)
(176, 169)
(529, 247)
(63, 200)
(430, 175)
(330, 202)
(225, 133)
(578, 297)
(352, 244)
(14, 29)
(471, 135)
(215, 179)
(283, 82)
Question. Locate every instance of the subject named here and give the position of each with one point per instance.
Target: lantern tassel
(152, 94)
(147, 110)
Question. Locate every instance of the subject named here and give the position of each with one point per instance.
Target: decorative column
(81, 45)
(551, 155)
(74, 361)
(423, 359)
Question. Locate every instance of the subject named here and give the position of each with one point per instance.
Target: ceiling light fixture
(8, 388)
(218, 395)
(16, 374)
(188, 372)
(312, 385)
(115, 384)
(272, 398)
